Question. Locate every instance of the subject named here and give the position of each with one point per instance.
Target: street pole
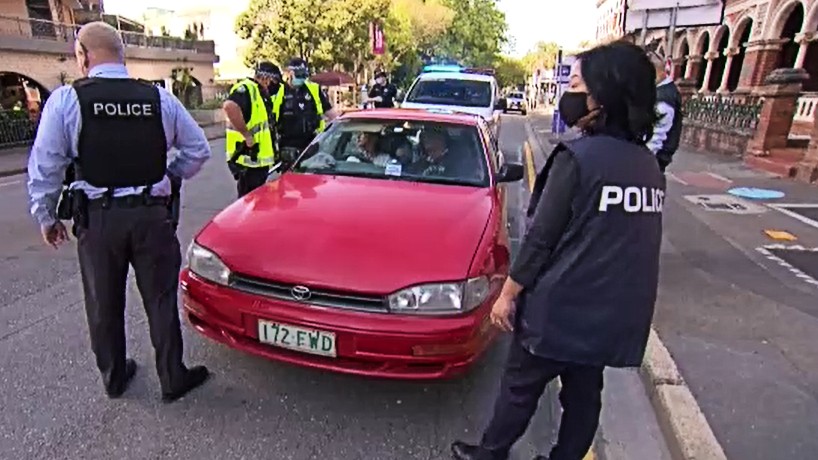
(644, 38)
(672, 38)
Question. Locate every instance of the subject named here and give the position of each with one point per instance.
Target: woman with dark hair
(585, 279)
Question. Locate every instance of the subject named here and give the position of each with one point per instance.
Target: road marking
(675, 178)
(783, 209)
(766, 251)
(780, 235)
(5, 184)
(529, 162)
(718, 177)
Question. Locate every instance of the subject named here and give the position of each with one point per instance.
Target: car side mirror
(500, 104)
(511, 172)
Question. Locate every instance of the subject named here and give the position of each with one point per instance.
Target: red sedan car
(378, 253)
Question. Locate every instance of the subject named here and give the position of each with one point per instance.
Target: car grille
(332, 299)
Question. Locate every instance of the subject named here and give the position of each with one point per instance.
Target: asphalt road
(53, 405)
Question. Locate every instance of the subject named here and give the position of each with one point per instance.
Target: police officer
(586, 276)
(668, 130)
(302, 112)
(382, 94)
(250, 134)
(116, 132)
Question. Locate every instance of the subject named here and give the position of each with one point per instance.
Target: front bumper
(367, 344)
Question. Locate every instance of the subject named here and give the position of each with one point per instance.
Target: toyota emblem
(300, 293)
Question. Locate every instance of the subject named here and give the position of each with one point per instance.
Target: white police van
(456, 89)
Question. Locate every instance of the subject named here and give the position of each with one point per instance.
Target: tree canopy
(335, 33)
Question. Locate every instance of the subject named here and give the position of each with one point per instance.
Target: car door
(496, 160)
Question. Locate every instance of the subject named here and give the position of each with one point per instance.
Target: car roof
(442, 116)
(456, 76)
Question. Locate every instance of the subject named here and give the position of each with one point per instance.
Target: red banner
(377, 38)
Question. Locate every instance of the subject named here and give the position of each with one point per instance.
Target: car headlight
(204, 263)
(441, 298)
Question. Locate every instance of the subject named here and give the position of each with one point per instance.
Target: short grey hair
(102, 38)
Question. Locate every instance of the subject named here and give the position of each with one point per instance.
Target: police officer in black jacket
(667, 133)
(382, 94)
(586, 277)
(116, 132)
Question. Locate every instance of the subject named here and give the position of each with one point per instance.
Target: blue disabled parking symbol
(756, 193)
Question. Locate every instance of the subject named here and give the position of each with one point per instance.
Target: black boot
(130, 371)
(195, 377)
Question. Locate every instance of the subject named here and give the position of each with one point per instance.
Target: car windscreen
(451, 91)
(516, 96)
(413, 151)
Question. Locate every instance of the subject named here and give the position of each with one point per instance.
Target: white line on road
(676, 179)
(5, 184)
(718, 177)
(783, 209)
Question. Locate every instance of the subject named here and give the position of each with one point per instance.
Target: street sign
(563, 73)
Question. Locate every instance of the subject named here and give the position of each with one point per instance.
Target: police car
(457, 89)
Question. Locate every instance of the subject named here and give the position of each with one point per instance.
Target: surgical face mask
(572, 107)
(298, 81)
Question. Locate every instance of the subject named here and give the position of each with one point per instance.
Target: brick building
(37, 56)
(726, 70)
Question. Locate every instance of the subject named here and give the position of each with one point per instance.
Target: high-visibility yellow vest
(259, 127)
(278, 99)
(315, 92)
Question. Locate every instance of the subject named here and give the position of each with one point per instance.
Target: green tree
(544, 55)
(477, 33)
(280, 29)
(510, 71)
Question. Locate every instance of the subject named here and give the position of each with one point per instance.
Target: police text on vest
(123, 109)
(632, 199)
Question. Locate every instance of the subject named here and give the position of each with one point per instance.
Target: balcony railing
(47, 30)
(806, 108)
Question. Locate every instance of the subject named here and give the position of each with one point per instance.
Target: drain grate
(725, 203)
(800, 261)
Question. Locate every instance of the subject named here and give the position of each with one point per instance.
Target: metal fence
(736, 114)
(16, 128)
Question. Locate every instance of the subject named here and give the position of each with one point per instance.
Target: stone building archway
(680, 57)
(789, 23)
(718, 58)
(741, 35)
(701, 47)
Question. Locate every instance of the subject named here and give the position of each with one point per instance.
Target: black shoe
(195, 377)
(463, 451)
(130, 371)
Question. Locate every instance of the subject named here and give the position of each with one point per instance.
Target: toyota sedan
(379, 253)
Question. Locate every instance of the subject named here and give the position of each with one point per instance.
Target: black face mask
(573, 106)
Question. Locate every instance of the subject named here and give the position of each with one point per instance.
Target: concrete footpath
(736, 312)
(14, 160)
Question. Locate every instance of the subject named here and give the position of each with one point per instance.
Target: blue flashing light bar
(443, 68)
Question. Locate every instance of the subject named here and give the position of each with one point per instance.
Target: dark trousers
(143, 237)
(251, 179)
(523, 383)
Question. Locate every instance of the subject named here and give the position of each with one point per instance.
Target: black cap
(297, 62)
(380, 73)
(266, 68)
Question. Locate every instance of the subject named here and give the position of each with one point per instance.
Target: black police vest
(299, 114)
(122, 140)
(669, 94)
(593, 302)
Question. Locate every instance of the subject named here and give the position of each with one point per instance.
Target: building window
(42, 24)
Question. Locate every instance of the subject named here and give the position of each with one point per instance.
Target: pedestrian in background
(668, 130)
(586, 277)
(116, 131)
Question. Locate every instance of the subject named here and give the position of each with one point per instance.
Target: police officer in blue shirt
(116, 132)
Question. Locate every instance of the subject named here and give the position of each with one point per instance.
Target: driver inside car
(439, 158)
(368, 148)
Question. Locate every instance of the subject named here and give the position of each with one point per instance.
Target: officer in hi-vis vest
(250, 132)
(302, 112)
(116, 132)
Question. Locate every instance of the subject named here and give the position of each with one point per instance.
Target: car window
(516, 95)
(451, 91)
(415, 151)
